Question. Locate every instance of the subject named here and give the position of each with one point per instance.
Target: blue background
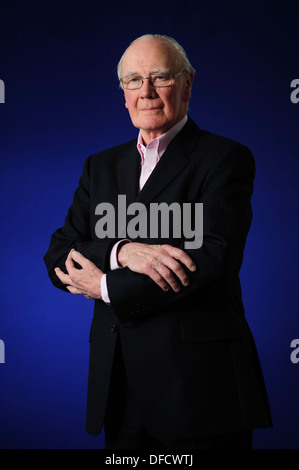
(63, 103)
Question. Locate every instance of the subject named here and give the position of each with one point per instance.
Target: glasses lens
(156, 79)
(131, 83)
(160, 79)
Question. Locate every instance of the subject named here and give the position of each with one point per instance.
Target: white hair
(181, 54)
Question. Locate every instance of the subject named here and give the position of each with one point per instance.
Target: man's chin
(151, 124)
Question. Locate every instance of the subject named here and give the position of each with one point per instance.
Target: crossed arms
(158, 274)
(159, 262)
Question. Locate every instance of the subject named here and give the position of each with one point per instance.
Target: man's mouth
(152, 109)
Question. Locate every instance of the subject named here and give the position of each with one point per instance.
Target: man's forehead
(152, 53)
(128, 73)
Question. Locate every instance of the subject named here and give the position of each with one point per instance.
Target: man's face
(155, 110)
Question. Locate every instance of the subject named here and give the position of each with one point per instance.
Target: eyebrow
(161, 70)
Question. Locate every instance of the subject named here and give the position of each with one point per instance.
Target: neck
(147, 136)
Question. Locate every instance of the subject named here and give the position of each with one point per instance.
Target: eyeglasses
(157, 80)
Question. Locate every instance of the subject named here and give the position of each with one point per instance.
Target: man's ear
(126, 105)
(189, 82)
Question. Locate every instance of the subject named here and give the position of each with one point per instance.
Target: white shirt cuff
(113, 256)
(104, 289)
(113, 265)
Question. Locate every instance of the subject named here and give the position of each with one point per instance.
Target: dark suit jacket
(189, 356)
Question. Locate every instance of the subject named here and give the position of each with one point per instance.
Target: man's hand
(159, 262)
(85, 281)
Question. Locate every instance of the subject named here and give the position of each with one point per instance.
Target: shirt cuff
(104, 289)
(113, 255)
(113, 265)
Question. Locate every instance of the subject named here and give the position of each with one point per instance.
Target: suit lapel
(128, 172)
(171, 164)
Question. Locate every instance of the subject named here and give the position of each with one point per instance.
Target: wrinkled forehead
(149, 56)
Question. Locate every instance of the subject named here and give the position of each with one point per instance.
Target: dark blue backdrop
(58, 62)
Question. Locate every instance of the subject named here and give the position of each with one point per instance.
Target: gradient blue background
(58, 62)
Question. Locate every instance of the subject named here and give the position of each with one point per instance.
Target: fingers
(162, 277)
(170, 269)
(69, 264)
(74, 273)
(79, 258)
(172, 272)
(180, 255)
(160, 262)
(64, 278)
(85, 281)
(76, 291)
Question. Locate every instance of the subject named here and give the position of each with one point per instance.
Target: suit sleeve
(76, 233)
(226, 197)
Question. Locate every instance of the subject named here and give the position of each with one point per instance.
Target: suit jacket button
(113, 327)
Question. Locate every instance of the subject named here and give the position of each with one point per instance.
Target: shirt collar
(163, 140)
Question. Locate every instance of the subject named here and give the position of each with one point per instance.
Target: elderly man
(172, 360)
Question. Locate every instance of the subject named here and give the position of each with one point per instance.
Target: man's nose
(148, 90)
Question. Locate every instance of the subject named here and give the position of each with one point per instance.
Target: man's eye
(134, 79)
(160, 78)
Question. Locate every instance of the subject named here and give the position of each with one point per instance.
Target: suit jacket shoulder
(113, 154)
